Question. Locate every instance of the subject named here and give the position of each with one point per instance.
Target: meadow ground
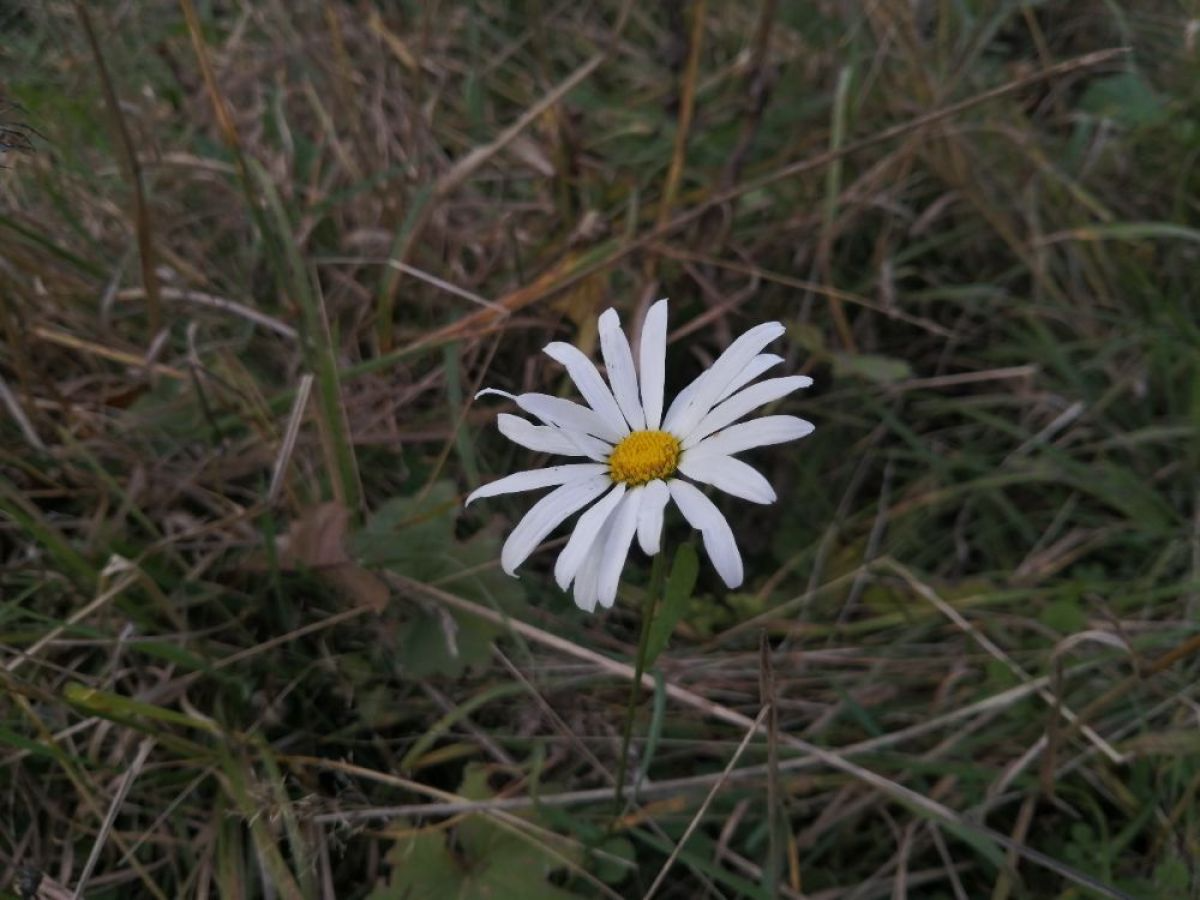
(257, 257)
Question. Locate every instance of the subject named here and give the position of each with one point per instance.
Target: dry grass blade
(221, 304)
(568, 271)
(132, 360)
(527, 831)
(894, 791)
(13, 405)
(673, 786)
(819, 161)
(704, 805)
(450, 180)
(143, 224)
(683, 126)
(126, 574)
(978, 591)
(768, 696)
(288, 444)
(130, 775)
(957, 618)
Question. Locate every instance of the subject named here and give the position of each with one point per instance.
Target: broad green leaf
(414, 536)
(618, 860)
(478, 860)
(676, 595)
(1125, 99)
(1171, 876)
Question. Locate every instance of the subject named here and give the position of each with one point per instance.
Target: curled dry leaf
(316, 541)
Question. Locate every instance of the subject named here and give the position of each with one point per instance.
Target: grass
(255, 260)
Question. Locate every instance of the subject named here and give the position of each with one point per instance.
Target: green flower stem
(657, 577)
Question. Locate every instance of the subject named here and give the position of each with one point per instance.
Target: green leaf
(414, 536)
(1125, 99)
(807, 336)
(423, 869)
(1135, 231)
(479, 860)
(1171, 877)
(678, 592)
(1064, 616)
(870, 367)
(616, 859)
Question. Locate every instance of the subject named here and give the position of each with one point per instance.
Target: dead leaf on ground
(316, 542)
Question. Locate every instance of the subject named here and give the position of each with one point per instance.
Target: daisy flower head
(641, 458)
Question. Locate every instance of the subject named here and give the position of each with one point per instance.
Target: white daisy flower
(639, 454)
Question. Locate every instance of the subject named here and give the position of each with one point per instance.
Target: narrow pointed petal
(720, 375)
(537, 478)
(546, 515)
(680, 403)
(563, 413)
(650, 517)
(586, 580)
(719, 543)
(551, 438)
(618, 360)
(542, 438)
(652, 362)
(584, 536)
(583, 372)
(754, 368)
(731, 476)
(742, 404)
(755, 433)
(616, 546)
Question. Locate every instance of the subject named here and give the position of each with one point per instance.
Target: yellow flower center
(644, 456)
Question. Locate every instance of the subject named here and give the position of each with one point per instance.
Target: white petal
(729, 475)
(537, 478)
(718, 537)
(754, 368)
(712, 384)
(552, 438)
(584, 536)
(652, 362)
(616, 546)
(618, 359)
(583, 372)
(650, 516)
(543, 438)
(589, 573)
(586, 445)
(681, 400)
(740, 405)
(755, 433)
(560, 412)
(546, 515)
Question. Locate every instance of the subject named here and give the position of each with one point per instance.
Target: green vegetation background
(255, 258)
